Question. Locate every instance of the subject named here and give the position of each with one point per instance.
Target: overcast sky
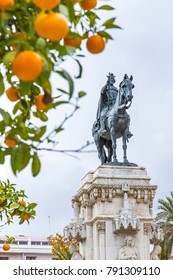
(143, 48)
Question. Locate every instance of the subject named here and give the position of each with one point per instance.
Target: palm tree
(165, 220)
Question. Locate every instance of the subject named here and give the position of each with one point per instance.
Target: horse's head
(125, 90)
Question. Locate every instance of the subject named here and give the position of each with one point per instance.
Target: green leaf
(35, 165)
(32, 205)
(21, 221)
(106, 7)
(81, 94)
(80, 69)
(20, 157)
(67, 76)
(2, 157)
(21, 208)
(8, 58)
(40, 115)
(92, 17)
(6, 116)
(41, 131)
(2, 87)
(25, 88)
(46, 86)
(41, 44)
(105, 35)
(59, 129)
(64, 10)
(14, 205)
(17, 106)
(109, 22)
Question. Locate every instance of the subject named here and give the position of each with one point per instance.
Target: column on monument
(146, 241)
(76, 210)
(89, 242)
(110, 241)
(102, 240)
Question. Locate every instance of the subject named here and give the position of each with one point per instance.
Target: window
(45, 243)
(35, 243)
(23, 242)
(30, 258)
(4, 258)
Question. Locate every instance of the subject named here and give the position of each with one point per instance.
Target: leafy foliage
(12, 204)
(60, 247)
(165, 220)
(27, 125)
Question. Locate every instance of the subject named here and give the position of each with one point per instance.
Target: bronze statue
(112, 120)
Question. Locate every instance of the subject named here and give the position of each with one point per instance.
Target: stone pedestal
(113, 202)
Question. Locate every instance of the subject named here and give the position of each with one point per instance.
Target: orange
(6, 247)
(46, 4)
(52, 26)
(71, 41)
(88, 4)
(27, 65)
(22, 202)
(95, 44)
(10, 142)
(5, 4)
(12, 94)
(26, 217)
(39, 102)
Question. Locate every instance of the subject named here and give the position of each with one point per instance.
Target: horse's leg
(110, 151)
(101, 151)
(124, 138)
(114, 142)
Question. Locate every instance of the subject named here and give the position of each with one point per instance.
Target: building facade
(27, 248)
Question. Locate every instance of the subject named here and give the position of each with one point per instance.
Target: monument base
(120, 164)
(113, 214)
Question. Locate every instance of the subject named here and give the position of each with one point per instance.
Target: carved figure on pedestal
(112, 120)
(156, 251)
(128, 251)
(75, 254)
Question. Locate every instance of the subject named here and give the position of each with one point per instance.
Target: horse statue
(114, 122)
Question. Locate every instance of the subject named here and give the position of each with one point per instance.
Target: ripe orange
(95, 44)
(46, 4)
(10, 142)
(27, 65)
(52, 26)
(88, 4)
(5, 4)
(26, 217)
(22, 202)
(12, 94)
(71, 41)
(39, 102)
(6, 247)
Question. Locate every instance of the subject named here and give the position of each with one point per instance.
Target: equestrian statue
(112, 121)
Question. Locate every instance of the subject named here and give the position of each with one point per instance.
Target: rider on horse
(107, 99)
